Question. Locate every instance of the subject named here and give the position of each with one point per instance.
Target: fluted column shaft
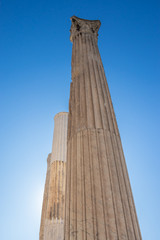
(99, 202)
(52, 223)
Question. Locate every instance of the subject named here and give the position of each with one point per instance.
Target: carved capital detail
(80, 25)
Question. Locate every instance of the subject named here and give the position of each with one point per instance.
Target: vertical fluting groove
(108, 92)
(59, 185)
(60, 178)
(105, 119)
(72, 196)
(69, 116)
(82, 86)
(96, 104)
(96, 78)
(90, 111)
(54, 177)
(71, 109)
(111, 208)
(84, 82)
(76, 82)
(107, 102)
(48, 201)
(121, 185)
(111, 127)
(111, 181)
(67, 193)
(91, 88)
(59, 163)
(91, 182)
(100, 170)
(65, 127)
(56, 190)
(62, 137)
(74, 187)
(60, 132)
(59, 173)
(54, 201)
(82, 178)
(61, 190)
(72, 191)
(75, 194)
(52, 183)
(73, 60)
(51, 204)
(93, 177)
(64, 190)
(129, 191)
(79, 189)
(104, 80)
(66, 133)
(130, 220)
(121, 217)
(62, 168)
(79, 196)
(98, 200)
(88, 201)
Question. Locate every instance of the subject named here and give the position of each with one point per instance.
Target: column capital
(80, 25)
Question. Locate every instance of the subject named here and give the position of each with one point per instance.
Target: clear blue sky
(35, 74)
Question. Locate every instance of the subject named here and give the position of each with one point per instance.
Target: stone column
(52, 225)
(99, 201)
(45, 200)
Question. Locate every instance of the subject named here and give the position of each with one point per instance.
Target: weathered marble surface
(59, 146)
(52, 220)
(99, 201)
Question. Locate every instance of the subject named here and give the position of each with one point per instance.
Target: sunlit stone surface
(99, 201)
(52, 219)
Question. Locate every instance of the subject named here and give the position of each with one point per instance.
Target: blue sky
(35, 75)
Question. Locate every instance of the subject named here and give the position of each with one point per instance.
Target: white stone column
(59, 146)
(52, 225)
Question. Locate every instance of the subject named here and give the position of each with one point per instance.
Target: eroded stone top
(80, 25)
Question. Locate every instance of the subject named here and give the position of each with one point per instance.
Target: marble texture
(52, 219)
(99, 201)
(59, 146)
